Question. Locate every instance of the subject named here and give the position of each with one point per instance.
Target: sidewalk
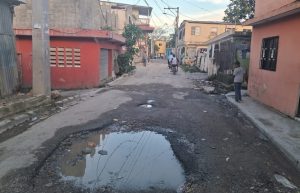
(283, 131)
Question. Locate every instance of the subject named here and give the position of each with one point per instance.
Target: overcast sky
(205, 10)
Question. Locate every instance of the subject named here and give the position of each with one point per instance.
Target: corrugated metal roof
(14, 2)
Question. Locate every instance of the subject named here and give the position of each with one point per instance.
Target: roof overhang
(78, 33)
(15, 2)
(146, 28)
(285, 11)
(228, 35)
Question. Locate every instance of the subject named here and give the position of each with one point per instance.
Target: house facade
(161, 45)
(193, 36)
(9, 79)
(274, 74)
(82, 54)
(78, 59)
(222, 52)
(117, 15)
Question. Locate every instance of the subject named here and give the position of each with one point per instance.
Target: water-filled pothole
(149, 104)
(133, 161)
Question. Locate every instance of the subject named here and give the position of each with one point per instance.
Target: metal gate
(8, 65)
(103, 65)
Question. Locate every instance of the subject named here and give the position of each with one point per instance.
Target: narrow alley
(190, 142)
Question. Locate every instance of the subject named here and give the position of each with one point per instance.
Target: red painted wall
(279, 89)
(85, 76)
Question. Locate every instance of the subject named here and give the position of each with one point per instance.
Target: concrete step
(21, 105)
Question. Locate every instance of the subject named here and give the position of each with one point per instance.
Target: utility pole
(41, 84)
(176, 27)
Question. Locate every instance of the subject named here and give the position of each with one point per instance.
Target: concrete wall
(69, 77)
(82, 14)
(263, 6)
(162, 46)
(279, 89)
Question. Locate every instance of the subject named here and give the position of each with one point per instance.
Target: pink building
(274, 74)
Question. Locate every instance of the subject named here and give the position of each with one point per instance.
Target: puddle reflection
(124, 161)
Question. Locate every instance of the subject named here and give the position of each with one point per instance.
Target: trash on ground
(284, 181)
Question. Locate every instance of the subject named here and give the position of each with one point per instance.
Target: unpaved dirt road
(219, 149)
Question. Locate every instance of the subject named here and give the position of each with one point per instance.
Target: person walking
(238, 74)
(144, 58)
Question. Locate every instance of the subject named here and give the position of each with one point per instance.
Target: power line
(137, 2)
(155, 1)
(167, 5)
(195, 4)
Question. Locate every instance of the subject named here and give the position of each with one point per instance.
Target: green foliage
(171, 41)
(239, 10)
(124, 61)
(132, 34)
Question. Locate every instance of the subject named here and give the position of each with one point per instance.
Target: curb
(264, 131)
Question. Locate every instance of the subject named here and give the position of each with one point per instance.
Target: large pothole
(124, 161)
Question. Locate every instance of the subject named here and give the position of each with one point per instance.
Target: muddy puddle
(126, 161)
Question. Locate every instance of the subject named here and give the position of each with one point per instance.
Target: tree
(132, 34)
(239, 10)
(171, 41)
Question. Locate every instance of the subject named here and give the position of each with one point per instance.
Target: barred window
(269, 53)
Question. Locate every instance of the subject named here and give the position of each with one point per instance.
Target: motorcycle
(174, 68)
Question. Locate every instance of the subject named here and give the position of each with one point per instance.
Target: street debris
(102, 152)
(284, 181)
(87, 150)
(55, 94)
(91, 144)
(212, 87)
(49, 184)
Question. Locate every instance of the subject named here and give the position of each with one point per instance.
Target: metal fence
(8, 62)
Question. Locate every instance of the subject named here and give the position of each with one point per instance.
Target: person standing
(238, 74)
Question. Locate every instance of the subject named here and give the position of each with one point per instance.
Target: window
(213, 31)
(195, 31)
(269, 52)
(65, 57)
